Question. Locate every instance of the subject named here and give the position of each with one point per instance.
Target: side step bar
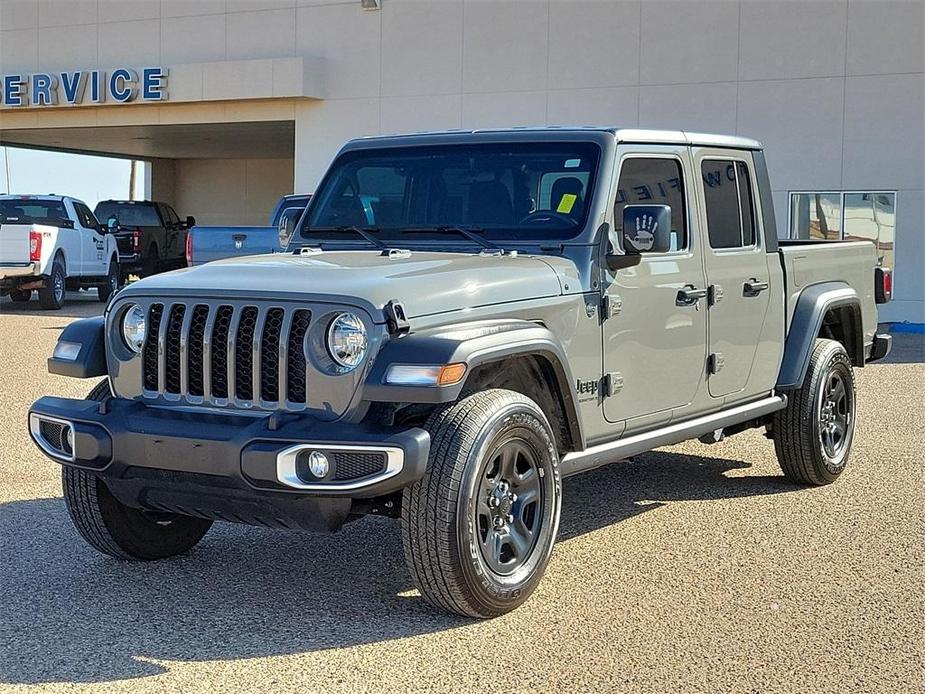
(613, 451)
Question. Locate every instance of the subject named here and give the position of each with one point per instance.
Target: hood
(425, 282)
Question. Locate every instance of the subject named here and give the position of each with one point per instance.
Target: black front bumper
(225, 466)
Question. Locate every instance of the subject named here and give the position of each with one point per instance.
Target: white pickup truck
(52, 243)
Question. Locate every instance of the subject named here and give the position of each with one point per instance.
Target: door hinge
(613, 384)
(715, 295)
(611, 305)
(715, 362)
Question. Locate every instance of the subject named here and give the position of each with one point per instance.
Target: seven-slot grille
(234, 353)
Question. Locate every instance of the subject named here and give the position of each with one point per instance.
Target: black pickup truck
(150, 235)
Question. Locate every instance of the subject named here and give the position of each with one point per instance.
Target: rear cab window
(129, 214)
(33, 211)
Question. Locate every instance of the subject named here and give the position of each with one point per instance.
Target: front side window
(507, 191)
(730, 207)
(653, 181)
(87, 220)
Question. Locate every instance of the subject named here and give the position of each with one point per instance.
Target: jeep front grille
(248, 355)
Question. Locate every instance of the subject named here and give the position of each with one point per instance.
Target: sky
(87, 178)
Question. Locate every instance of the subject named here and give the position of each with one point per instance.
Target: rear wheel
(51, 297)
(109, 287)
(121, 531)
(478, 529)
(813, 434)
(20, 296)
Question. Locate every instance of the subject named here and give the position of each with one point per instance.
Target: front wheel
(813, 434)
(109, 287)
(478, 529)
(121, 531)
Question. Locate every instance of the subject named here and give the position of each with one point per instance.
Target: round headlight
(133, 328)
(347, 340)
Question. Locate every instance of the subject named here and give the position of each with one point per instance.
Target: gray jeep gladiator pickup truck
(461, 320)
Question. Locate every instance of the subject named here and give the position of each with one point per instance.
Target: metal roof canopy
(244, 140)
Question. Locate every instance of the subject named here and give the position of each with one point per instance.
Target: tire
(121, 531)
(149, 265)
(814, 433)
(51, 298)
(473, 545)
(113, 277)
(20, 296)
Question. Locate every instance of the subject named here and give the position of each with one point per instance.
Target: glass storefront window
(872, 217)
(854, 216)
(815, 216)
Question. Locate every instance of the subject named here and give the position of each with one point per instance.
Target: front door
(737, 268)
(93, 243)
(654, 339)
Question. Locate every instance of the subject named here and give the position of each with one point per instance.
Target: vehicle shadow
(70, 615)
(81, 304)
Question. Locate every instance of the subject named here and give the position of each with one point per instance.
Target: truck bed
(815, 261)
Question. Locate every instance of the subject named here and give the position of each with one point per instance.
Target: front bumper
(227, 466)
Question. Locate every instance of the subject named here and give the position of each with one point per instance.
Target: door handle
(754, 287)
(690, 295)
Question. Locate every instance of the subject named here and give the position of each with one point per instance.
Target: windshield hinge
(395, 319)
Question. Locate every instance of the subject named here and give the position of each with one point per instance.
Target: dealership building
(234, 102)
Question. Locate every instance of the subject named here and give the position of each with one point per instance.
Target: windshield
(510, 191)
(28, 211)
(129, 215)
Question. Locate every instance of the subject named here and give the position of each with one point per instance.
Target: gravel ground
(694, 568)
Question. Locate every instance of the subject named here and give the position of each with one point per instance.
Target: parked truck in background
(460, 321)
(51, 243)
(207, 243)
(150, 235)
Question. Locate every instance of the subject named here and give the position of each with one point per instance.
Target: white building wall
(834, 88)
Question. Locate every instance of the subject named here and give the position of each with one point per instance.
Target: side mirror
(646, 229)
(112, 224)
(190, 222)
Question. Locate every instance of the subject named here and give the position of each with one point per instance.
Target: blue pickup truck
(207, 243)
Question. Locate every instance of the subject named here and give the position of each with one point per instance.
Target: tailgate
(14, 244)
(214, 243)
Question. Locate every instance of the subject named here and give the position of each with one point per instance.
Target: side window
(647, 180)
(730, 207)
(85, 216)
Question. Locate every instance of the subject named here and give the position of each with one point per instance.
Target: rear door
(737, 267)
(654, 343)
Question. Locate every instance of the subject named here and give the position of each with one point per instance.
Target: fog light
(318, 464)
(69, 441)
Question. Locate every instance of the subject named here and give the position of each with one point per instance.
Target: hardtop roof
(628, 135)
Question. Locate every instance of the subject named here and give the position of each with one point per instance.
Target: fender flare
(90, 361)
(474, 344)
(812, 305)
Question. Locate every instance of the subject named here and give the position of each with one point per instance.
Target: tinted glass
(728, 200)
(27, 211)
(517, 191)
(87, 220)
(654, 182)
(129, 215)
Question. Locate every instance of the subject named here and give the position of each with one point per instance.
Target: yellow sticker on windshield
(567, 203)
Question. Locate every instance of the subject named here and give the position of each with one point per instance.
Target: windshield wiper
(364, 232)
(454, 229)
